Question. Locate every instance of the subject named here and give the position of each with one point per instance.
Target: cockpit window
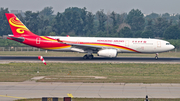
(168, 44)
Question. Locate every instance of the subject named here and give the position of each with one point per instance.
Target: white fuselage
(122, 45)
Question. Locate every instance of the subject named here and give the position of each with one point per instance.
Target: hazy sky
(119, 6)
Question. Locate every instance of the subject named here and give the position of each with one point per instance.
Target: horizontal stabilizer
(20, 39)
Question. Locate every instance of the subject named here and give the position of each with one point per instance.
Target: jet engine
(107, 53)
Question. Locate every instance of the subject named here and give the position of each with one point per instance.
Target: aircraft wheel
(85, 57)
(156, 57)
(90, 57)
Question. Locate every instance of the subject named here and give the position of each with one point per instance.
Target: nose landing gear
(156, 57)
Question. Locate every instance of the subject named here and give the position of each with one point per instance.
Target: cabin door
(158, 43)
(127, 43)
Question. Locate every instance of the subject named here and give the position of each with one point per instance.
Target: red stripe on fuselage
(43, 43)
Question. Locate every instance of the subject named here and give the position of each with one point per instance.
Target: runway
(30, 89)
(16, 90)
(95, 60)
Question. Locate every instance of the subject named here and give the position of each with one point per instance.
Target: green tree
(175, 42)
(84, 22)
(102, 18)
(60, 25)
(121, 18)
(161, 24)
(148, 32)
(166, 15)
(32, 20)
(172, 32)
(47, 14)
(74, 20)
(179, 22)
(69, 22)
(100, 34)
(136, 20)
(4, 26)
(52, 33)
(149, 25)
(113, 17)
(37, 23)
(47, 11)
(153, 16)
(125, 32)
(138, 34)
(90, 22)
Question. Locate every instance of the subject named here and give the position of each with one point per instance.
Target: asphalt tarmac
(20, 90)
(95, 60)
(30, 89)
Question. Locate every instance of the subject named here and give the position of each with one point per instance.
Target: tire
(156, 57)
(90, 57)
(85, 57)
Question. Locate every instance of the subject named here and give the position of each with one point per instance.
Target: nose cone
(172, 47)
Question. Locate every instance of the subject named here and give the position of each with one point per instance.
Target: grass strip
(91, 72)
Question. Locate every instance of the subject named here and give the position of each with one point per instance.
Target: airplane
(106, 47)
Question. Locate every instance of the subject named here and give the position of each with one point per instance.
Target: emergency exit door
(158, 43)
(38, 40)
(127, 43)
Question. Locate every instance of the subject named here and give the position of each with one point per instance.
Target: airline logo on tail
(18, 24)
(17, 27)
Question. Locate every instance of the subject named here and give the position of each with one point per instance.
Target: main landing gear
(88, 57)
(156, 57)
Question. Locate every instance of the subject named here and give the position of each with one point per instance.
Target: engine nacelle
(107, 53)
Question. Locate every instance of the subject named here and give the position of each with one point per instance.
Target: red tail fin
(17, 27)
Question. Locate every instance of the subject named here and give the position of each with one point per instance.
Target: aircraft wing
(85, 46)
